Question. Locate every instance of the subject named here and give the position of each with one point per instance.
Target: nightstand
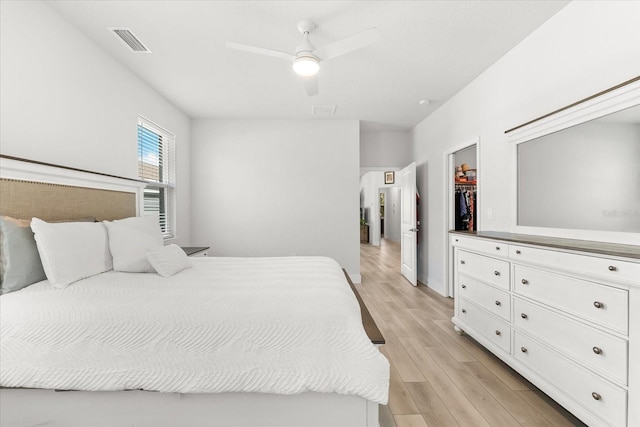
(196, 250)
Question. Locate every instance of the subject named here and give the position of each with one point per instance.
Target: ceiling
(429, 50)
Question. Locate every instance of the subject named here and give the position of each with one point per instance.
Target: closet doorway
(462, 197)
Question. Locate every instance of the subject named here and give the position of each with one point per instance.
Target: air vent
(130, 39)
(325, 110)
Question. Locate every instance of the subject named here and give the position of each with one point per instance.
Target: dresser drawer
(600, 304)
(599, 396)
(608, 269)
(495, 330)
(489, 270)
(598, 349)
(491, 299)
(488, 247)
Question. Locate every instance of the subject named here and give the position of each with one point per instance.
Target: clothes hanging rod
(461, 186)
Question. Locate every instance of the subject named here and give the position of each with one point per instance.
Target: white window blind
(156, 166)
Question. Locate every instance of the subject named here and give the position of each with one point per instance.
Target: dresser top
(610, 249)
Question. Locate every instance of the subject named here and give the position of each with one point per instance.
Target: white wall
(63, 100)
(368, 202)
(277, 188)
(585, 48)
(385, 150)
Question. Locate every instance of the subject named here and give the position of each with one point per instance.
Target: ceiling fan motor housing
(305, 47)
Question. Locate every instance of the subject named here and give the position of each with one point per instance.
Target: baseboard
(435, 285)
(356, 279)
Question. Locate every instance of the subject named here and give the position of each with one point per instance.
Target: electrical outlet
(489, 213)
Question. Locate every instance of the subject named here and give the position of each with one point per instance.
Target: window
(156, 166)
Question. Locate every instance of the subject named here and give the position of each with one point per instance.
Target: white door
(408, 228)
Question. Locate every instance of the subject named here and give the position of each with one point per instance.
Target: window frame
(165, 183)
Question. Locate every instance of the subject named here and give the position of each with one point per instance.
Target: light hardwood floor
(439, 378)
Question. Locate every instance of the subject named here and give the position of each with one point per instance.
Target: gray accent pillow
(21, 265)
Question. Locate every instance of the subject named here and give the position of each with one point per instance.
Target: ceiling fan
(306, 60)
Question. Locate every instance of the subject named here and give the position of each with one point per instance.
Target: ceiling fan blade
(260, 50)
(349, 44)
(311, 85)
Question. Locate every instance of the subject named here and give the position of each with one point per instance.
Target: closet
(465, 196)
(465, 207)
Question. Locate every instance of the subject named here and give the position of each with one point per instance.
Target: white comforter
(272, 325)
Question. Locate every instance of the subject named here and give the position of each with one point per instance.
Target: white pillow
(71, 251)
(129, 241)
(169, 260)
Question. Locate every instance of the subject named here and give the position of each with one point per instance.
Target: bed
(229, 341)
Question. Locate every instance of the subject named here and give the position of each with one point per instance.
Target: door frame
(449, 203)
(372, 188)
(408, 193)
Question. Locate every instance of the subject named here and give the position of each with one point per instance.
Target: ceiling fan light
(306, 66)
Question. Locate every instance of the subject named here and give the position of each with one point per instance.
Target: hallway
(439, 378)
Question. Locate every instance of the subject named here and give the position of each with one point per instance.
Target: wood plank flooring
(439, 378)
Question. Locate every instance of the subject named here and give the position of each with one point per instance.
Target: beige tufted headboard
(52, 202)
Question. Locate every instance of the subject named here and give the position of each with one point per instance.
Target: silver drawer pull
(597, 350)
(518, 252)
(497, 248)
(596, 396)
(464, 286)
(598, 304)
(497, 273)
(498, 333)
(525, 281)
(523, 315)
(498, 303)
(612, 268)
(523, 349)
(461, 261)
(464, 311)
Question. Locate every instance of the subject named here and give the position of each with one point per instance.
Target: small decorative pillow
(168, 260)
(71, 251)
(19, 258)
(129, 241)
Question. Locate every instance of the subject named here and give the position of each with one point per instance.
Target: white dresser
(564, 313)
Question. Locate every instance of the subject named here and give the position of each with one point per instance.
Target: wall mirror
(579, 168)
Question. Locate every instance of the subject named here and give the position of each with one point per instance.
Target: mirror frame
(617, 98)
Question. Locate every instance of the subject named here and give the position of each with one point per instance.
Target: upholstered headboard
(52, 202)
(34, 189)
